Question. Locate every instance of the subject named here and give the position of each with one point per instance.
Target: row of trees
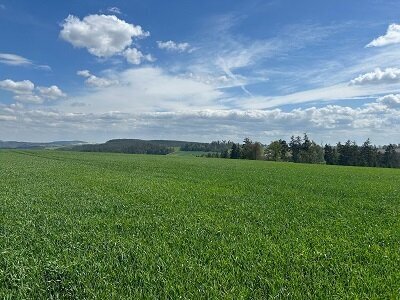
(298, 150)
(214, 146)
(304, 150)
(367, 155)
(249, 150)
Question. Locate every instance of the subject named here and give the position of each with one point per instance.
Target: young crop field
(117, 226)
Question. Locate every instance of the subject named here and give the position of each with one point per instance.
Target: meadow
(117, 226)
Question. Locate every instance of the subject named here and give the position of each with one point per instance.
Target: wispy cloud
(224, 52)
(17, 60)
(338, 92)
(146, 89)
(114, 10)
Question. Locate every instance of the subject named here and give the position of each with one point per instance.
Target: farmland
(113, 226)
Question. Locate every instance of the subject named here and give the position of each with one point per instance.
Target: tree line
(130, 146)
(304, 150)
(214, 146)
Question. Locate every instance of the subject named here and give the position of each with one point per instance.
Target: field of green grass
(117, 226)
(189, 153)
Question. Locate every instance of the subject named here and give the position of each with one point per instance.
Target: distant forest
(297, 150)
(303, 150)
(130, 146)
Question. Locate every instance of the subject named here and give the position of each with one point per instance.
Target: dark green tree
(225, 154)
(295, 148)
(235, 151)
(330, 155)
(348, 154)
(250, 150)
(368, 155)
(274, 151)
(284, 150)
(391, 158)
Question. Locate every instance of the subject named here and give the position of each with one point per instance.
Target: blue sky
(200, 70)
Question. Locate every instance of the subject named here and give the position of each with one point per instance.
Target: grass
(110, 226)
(189, 153)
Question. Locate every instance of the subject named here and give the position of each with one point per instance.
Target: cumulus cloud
(29, 98)
(392, 36)
(53, 92)
(25, 91)
(94, 81)
(84, 73)
(391, 101)
(17, 87)
(328, 123)
(135, 57)
(101, 35)
(173, 46)
(389, 75)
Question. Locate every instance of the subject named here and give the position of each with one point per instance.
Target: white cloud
(14, 60)
(2, 6)
(151, 88)
(135, 57)
(173, 46)
(17, 60)
(53, 92)
(242, 59)
(391, 101)
(329, 123)
(219, 81)
(147, 89)
(17, 87)
(25, 91)
(114, 10)
(336, 92)
(84, 73)
(29, 98)
(101, 35)
(7, 118)
(94, 81)
(388, 75)
(392, 36)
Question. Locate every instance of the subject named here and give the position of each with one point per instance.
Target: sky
(200, 70)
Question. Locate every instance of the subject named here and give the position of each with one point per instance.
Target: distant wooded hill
(162, 147)
(132, 146)
(28, 145)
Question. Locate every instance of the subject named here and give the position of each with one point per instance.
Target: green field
(117, 226)
(189, 153)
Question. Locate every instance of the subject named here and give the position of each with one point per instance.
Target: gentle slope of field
(115, 226)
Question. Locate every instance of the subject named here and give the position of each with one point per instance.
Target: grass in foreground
(85, 225)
